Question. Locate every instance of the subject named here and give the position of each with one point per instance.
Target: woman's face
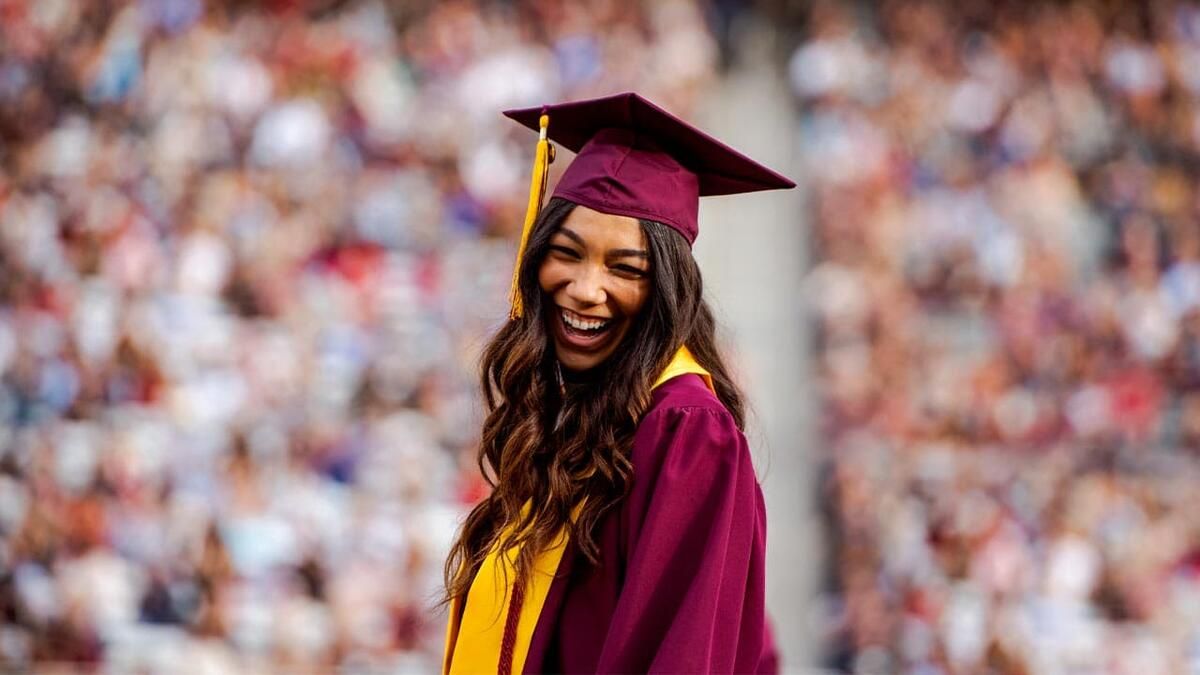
(596, 277)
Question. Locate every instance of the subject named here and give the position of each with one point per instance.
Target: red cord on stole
(508, 643)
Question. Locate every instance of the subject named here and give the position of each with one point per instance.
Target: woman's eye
(563, 250)
(631, 271)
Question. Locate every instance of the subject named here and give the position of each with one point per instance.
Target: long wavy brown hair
(558, 448)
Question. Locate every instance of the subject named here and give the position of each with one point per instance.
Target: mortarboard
(634, 159)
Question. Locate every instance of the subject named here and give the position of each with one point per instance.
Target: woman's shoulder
(687, 440)
(685, 406)
(683, 393)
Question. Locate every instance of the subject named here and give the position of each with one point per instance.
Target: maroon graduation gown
(680, 588)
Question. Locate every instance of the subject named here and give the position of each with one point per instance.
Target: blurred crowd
(248, 255)
(1006, 292)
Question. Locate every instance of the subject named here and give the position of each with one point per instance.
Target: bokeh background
(249, 252)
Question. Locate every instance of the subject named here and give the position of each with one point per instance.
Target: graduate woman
(626, 530)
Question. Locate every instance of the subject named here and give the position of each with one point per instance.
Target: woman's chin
(577, 363)
(580, 365)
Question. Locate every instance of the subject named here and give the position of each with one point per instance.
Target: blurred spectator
(248, 253)
(1006, 226)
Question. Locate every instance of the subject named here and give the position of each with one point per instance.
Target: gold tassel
(537, 189)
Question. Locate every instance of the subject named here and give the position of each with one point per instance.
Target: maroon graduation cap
(635, 159)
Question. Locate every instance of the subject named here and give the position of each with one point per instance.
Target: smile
(584, 324)
(583, 334)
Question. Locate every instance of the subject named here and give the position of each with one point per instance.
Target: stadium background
(249, 251)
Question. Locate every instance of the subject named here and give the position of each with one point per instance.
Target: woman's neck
(580, 376)
(577, 379)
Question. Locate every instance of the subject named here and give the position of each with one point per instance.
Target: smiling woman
(626, 530)
(596, 275)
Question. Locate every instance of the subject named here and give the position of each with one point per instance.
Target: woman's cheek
(548, 274)
(633, 295)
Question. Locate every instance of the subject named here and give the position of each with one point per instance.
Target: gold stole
(474, 638)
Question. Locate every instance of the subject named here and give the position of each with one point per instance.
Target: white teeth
(574, 321)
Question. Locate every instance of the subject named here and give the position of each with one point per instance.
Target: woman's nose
(587, 288)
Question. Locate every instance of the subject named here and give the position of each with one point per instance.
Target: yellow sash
(473, 638)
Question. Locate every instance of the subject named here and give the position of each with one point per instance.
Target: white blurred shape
(259, 543)
(8, 344)
(973, 106)
(240, 85)
(843, 147)
(1028, 125)
(212, 397)
(513, 77)
(108, 587)
(184, 137)
(384, 98)
(37, 592)
(1148, 324)
(1015, 412)
(303, 628)
(14, 503)
(204, 264)
(1181, 287)
(964, 626)
(1135, 69)
(1001, 255)
(76, 454)
(1088, 410)
(64, 152)
(490, 172)
(95, 320)
(1072, 568)
(839, 293)
(828, 66)
(30, 227)
(295, 132)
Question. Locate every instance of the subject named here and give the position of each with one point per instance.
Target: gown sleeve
(695, 528)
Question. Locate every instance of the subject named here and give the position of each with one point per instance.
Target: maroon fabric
(624, 173)
(681, 585)
(636, 159)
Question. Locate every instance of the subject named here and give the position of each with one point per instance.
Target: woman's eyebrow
(612, 253)
(572, 236)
